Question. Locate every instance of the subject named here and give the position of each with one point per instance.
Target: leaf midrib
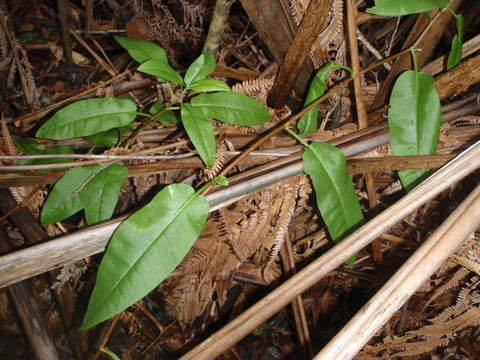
(334, 184)
(172, 218)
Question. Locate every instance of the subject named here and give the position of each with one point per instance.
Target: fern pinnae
(421, 347)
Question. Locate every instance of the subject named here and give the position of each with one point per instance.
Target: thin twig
(107, 336)
(21, 204)
(86, 181)
(361, 111)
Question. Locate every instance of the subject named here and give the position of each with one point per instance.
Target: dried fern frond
(469, 318)
(220, 159)
(466, 120)
(330, 42)
(421, 347)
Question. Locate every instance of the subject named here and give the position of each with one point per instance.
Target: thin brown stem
(21, 204)
(107, 336)
(361, 111)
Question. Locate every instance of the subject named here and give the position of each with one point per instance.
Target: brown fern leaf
(255, 88)
(286, 214)
(470, 317)
(421, 347)
(466, 120)
(220, 159)
(452, 283)
(330, 42)
(469, 264)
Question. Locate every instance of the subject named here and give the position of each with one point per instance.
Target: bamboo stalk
(420, 266)
(235, 330)
(92, 240)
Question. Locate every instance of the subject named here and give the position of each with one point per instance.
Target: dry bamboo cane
(69, 248)
(420, 266)
(245, 323)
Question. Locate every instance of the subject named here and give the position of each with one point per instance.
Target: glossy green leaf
(50, 151)
(207, 85)
(335, 194)
(27, 146)
(166, 117)
(405, 7)
(455, 55)
(307, 123)
(200, 132)
(231, 108)
(60, 203)
(88, 117)
(141, 50)
(414, 120)
(145, 249)
(107, 138)
(203, 66)
(100, 195)
(162, 70)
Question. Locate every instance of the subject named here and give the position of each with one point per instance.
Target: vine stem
(306, 109)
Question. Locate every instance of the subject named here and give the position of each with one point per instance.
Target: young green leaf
(162, 70)
(166, 117)
(203, 66)
(27, 146)
(110, 353)
(335, 194)
(207, 85)
(231, 108)
(308, 122)
(60, 203)
(405, 7)
(88, 117)
(51, 151)
(100, 195)
(414, 120)
(141, 50)
(145, 249)
(221, 180)
(200, 132)
(455, 55)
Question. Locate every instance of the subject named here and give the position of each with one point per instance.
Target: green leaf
(203, 66)
(414, 120)
(88, 117)
(162, 70)
(110, 353)
(27, 146)
(100, 195)
(200, 132)
(335, 194)
(60, 204)
(165, 118)
(231, 108)
(107, 138)
(141, 50)
(207, 85)
(221, 180)
(51, 151)
(145, 249)
(308, 122)
(455, 55)
(405, 7)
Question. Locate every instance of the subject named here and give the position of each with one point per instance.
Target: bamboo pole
(420, 266)
(235, 330)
